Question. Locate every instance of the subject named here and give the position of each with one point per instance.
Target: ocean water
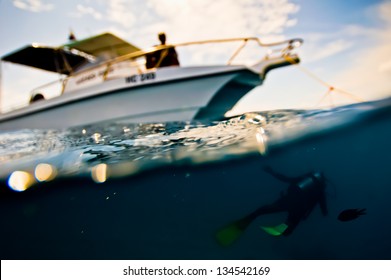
(120, 190)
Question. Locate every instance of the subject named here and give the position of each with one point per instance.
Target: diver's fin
(277, 230)
(230, 233)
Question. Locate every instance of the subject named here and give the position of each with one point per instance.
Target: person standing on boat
(162, 58)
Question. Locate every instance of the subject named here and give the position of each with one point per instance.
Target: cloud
(192, 20)
(384, 11)
(355, 58)
(369, 71)
(186, 19)
(32, 5)
(189, 19)
(82, 10)
(121, 12)
(323, 46)
(368, 75)
(350, 38)
(318, 49)
(385, 67)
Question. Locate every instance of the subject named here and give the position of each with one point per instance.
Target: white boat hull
(195, 93)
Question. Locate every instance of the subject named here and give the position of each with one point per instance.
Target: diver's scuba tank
(312, 181)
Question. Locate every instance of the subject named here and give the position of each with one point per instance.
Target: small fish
(351, 214)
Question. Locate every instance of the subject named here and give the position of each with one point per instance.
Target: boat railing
(286, 47)
(289, 46)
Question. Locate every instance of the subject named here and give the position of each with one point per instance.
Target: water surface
(120, 190)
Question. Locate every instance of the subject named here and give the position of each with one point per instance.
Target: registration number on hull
(141, 78)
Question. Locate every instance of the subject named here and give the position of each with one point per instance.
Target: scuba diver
(303, 194)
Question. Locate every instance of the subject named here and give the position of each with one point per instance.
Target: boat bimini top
(67, 59)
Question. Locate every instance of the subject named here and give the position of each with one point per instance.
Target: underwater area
(119, 190)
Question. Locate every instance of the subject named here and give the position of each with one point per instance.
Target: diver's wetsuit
(301, 197)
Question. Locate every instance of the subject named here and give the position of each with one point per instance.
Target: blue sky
(347, 43)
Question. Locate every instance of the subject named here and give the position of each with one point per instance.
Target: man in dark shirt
(162, 58)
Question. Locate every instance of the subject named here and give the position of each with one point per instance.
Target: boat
(104, 78)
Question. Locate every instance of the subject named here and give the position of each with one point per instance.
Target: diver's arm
(279, 176)
(323, 204)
